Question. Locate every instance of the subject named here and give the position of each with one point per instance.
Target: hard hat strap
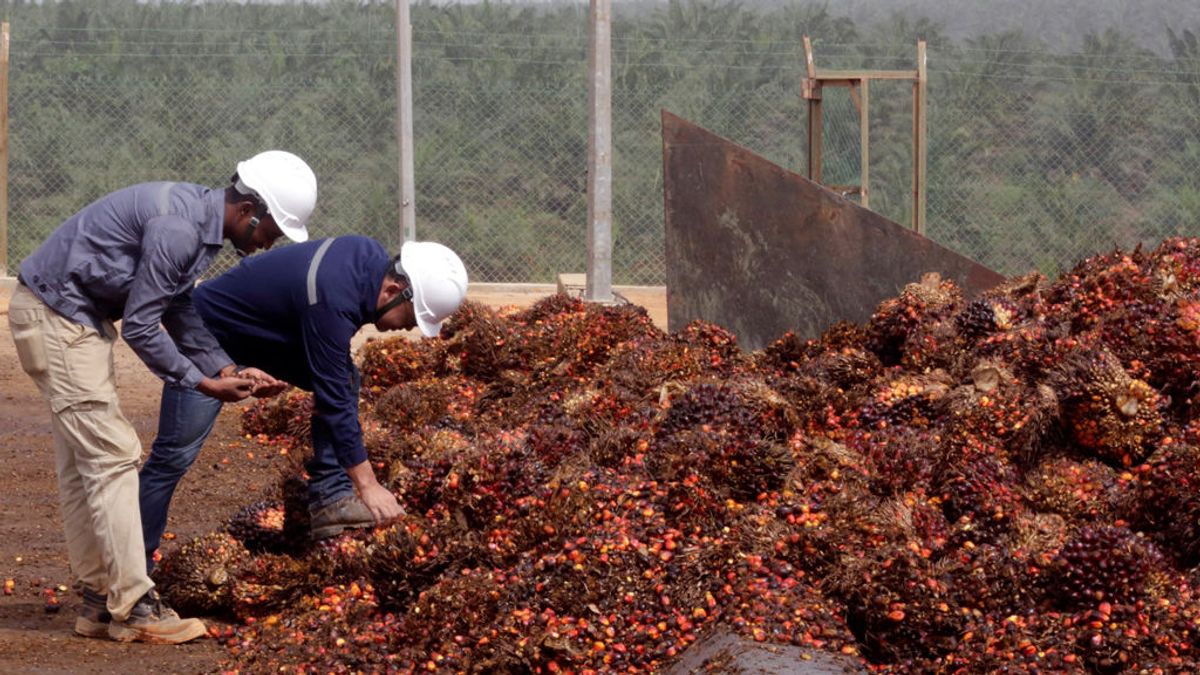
(404, 296)
(248, 235)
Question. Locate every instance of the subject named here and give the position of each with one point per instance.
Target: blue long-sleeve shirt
(264, 314)
(135, 255)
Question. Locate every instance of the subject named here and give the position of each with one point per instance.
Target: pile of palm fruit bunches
(1009, 483)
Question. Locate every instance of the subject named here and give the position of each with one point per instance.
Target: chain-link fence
(1035, 159)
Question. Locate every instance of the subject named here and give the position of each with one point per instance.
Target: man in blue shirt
(134, 256)
(292, 313)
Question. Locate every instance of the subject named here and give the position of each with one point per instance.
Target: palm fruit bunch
(199, 576)
(895, 606)
(410, 405)
(998, 405)
(386, 362)
(959, 485)
(915, 311)
(268, 583)
(1081, 490)
(259, 526)
(485, 343)
(1165, 500)
(1109, 413)
(908, 400)
(1105, 564)
(978, 495)
(278, 415)
(899, 458)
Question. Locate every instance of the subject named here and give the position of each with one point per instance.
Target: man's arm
(335, 398)
(168, 248)
(192, 337)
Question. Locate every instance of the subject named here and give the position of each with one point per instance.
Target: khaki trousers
(96, 449)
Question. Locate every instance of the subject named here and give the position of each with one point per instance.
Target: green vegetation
(1037, 156)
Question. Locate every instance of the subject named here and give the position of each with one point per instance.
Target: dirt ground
(229, 473)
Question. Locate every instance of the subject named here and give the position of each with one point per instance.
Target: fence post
(599, 185)
(920, 142)
(404, 129)
(4, 149)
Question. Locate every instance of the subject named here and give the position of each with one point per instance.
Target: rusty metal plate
(761, 250)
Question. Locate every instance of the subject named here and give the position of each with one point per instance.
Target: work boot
(152, 621)
(93, 615)
(347, 513)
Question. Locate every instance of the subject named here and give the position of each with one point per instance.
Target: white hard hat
(438, 280)
(285, 184)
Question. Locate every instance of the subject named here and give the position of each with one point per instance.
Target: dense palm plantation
(1039, 153)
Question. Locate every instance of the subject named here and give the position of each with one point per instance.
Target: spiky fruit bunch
(911, 400)
(1080, 490)
(1096, 285)
(386, 362)
(899, 458)
(999, 406)
(325, 632)
(896, 606)
(297, 523)
(440, 401)
(485, 344)
(985, 316)
(720, 343)
(1109, 413)
(979, 493)
(465, 317)
(920, 304)
(259, 526)
(198, 576)
(576, 343)
(1165, 500)
(268, 583)
(639, 367)
(1104, 564)
(847, 367)
(278, 415)
(550, 307)
(741, 409)
(992, 579)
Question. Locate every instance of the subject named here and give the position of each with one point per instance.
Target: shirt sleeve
(327, 336)
(169, 246)
(192, 337)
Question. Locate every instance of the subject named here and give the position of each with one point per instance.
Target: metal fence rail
(1029, 167)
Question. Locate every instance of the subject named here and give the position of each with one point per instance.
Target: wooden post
(599, 185)
(404, 128)
(4, 149)
(812, 91)
(919, 142)
(864, 133)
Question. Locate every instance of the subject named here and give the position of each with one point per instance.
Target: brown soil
(229, 473)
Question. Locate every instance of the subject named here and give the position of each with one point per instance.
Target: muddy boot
(347, 513)
(152, 621)
(93, 615)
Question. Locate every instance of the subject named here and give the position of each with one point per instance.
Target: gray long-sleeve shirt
(135, 255)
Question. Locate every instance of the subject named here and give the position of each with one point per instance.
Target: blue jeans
(185, 419)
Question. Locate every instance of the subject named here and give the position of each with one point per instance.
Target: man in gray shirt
(134, 256)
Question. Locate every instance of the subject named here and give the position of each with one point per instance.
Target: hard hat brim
(429, 329)
(296, 234)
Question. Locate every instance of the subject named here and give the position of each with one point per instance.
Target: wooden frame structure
(858, 81)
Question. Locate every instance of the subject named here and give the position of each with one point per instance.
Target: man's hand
(379, 500)
(227, 389)
(383, 504)
(265, 386)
